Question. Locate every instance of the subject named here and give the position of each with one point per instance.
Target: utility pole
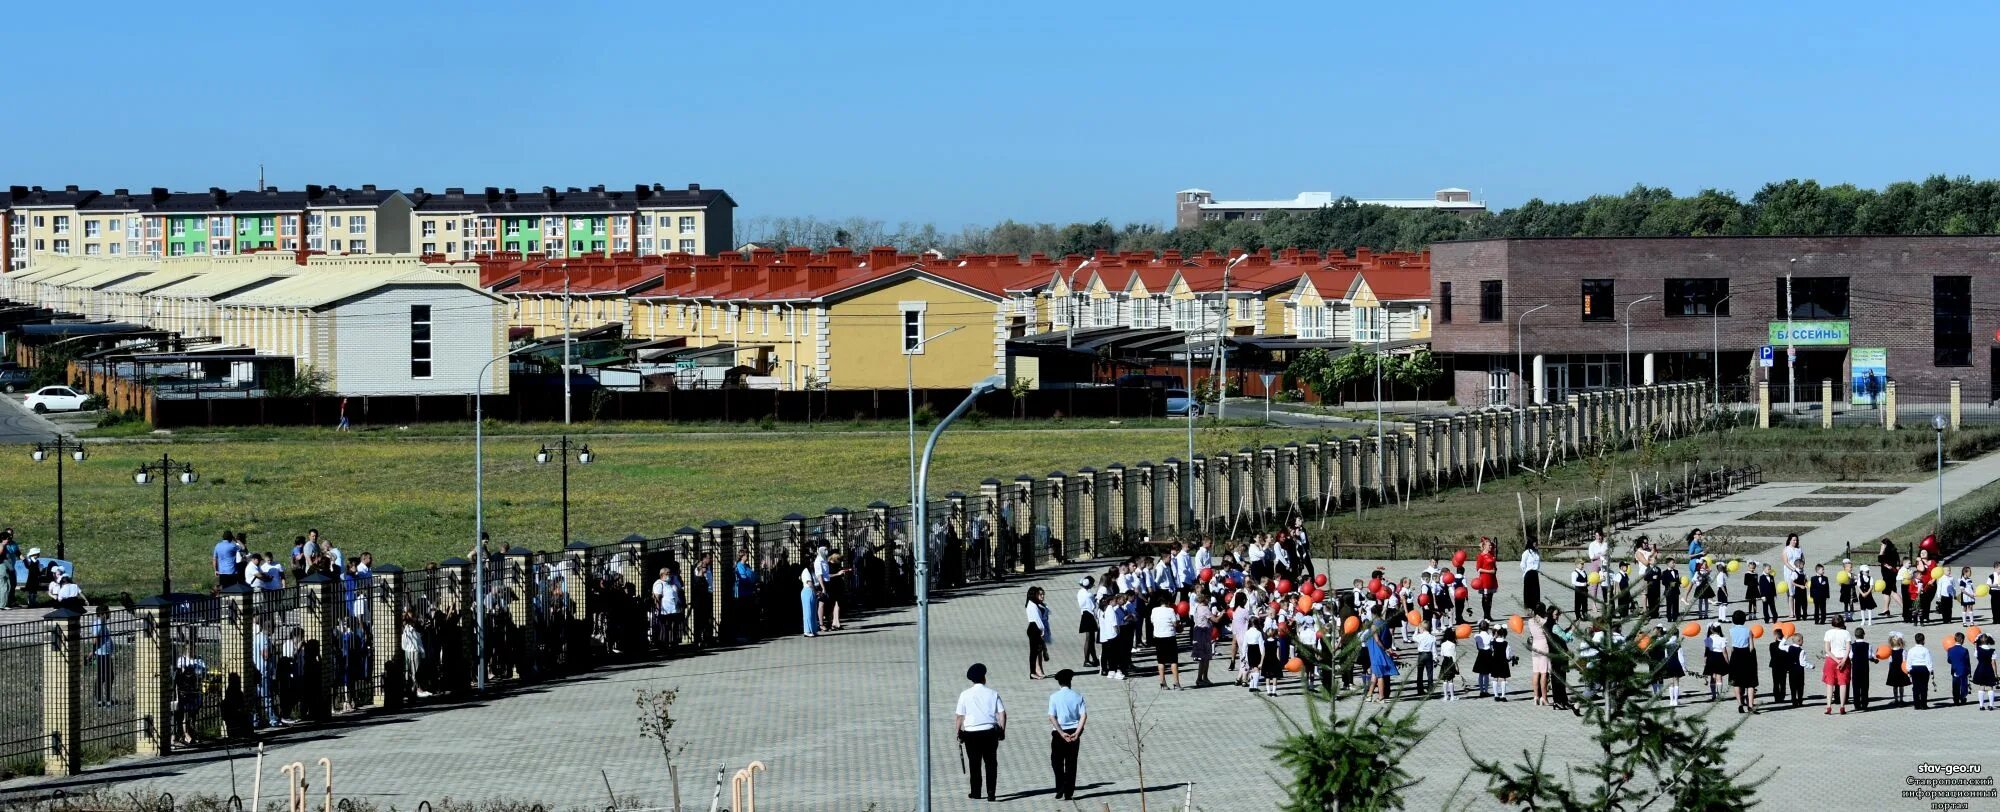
(1791, 346)
(566, 340)
(1221, 346)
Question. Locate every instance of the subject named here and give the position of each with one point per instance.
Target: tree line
(1936, 205)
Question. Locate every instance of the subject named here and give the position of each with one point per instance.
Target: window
(1242, 309)
(687, 246)
(645, 245)
(1211, 215)
(1444, 302)
(451, 225)
(597, 227)
(91, 229)
(420, 341)
(178, 249)
(62, 224)
(1107, 312)
(430, 228)
(451, 248)
(289, 225)
(152, 229)
(576, 246)
(1600, 300)
(1697, 297)
(1312, 321)
(621, 244)
(645, 226)
(1184, 315)
(357, 246)
(218, 227)
(38, 221)
(115, 249)
(1490, 300)
(333, 220)
(513, 228)
(357, 224)
(687, 225)
(913, 328)
(92, 250)
(1815, 297)
(62, 246)
(1256, 215)
(430, 248)
(179, 228)
(1370, 325)
(1951, 325)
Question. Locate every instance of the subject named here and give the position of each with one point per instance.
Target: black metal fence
(22, 745)
(1645, 500)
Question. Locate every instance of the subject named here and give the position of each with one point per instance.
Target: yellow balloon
(1595, 578)
(1784, 587)
(1710, 559)
(1735, 566)
(1843, 577)
(1684, 582)
(1937, 572)
(1902, 577)
(1982, 590)
(1881, 586)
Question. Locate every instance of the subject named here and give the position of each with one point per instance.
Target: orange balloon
(1787, 629)
(1692, 629)
(1951, 642)
(1464, 631)
(1351, 625)
(1415, 618)
(1974, 633)
(1756, 630)
(1645, 642)
(1882, 652)
(1305, 603)
(1295, 665)
(1515, 623)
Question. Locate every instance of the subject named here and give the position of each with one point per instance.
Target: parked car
(1179, 404)
(55, 399)
(14, 379)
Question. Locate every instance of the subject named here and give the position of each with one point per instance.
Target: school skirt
(1087, 625)
(1714, 665)
(1743, 667)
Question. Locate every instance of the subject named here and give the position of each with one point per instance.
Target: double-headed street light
(57, 448)
(562, 449)
(165, 469)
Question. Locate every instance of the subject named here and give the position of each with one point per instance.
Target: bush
(95, 403)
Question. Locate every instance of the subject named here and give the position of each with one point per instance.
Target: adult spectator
(744, 590)
(100, 652)
(982, 724)
(10, 556)
(264, 712)
(36, 571)
(228, 558)
(1067, 716)
(667, 610)
(701, 601)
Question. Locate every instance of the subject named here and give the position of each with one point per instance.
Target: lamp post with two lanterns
(165, 469)
(57, 448)
(562, 449)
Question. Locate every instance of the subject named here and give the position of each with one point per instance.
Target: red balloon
(1207, 573)
(1459, 593)
(1381, 594)
(1374, 585)
(1930, 544)
(1319, 580)
(1458, 558)
(1447, 577)
(1424, 599)
(1284, 587)
(1181, 608)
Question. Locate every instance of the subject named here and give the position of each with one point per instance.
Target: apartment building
(43, 223)
(1192, 207)
(1370, 297)
(572, 223)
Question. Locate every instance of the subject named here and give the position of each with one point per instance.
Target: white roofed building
(1192, 207)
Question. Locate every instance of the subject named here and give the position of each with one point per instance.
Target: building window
(430, 228)
(62, 224)
(1490, 300)
(1184, 315)
(62, 246)
(420, 341)
(1599, 300)
(513, 228)
(430, 248)
(913, 329)
(92, 228)
(687, 225)
(1211, 215)
(357, 224)
(91, 250)
(1815, 297)
(1369, 324)
(451, 248)
(178, 228)
(357, 246)
(687, 246)
(115, 249)
(1951, 325)
(218, 227)
(289, 225)
(1242, 309)
(1312, 321)
(333, 220)
(1444, 302)
(1697, 297)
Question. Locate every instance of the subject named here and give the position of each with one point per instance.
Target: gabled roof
(315, 290)
(219, 284)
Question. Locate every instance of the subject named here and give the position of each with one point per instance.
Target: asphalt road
(19, 426)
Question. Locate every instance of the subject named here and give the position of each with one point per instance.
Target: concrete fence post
(386, 624)
(1140, 510)
(632, 560)
(455, 594)
(1265, 474)
(235, 637)
(1195, 473)
(1290, 465)
(519, 585)
(1114, 501)
(1309, 478)
(987, 508)
(955, 518)
(1763, 404)
(1957, 405)
(62, 693)
(1170, 486)
(1889, 420)
(1059, 513)
(152, 658)
(1826, 403)
(1088, 512)
(319, 616)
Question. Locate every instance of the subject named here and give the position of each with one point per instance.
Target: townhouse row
(645, 220)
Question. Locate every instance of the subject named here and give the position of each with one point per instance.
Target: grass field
(409, 499)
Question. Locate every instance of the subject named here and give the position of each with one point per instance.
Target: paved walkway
(831, 718)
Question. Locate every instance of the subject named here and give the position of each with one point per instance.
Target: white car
(55, 399)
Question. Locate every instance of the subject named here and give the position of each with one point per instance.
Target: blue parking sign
(1765, 356)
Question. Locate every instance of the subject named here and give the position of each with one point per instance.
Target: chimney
(121, 193)
(822, 276)
(1362, 254)
(1171, 255)
(881, 256)
(454, 192)
(763, 256)
(708, 275)
(215, 193)
(641, 191)
(798, 255)
(70, 188)
(783, 276)
(694, 187)
(159, 194)
(368, 187)
(841, 256)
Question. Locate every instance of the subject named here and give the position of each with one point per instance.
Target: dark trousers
(1062, 761)
(1770, 608)
(1426, 671)
(1959, 689)
(1798, 685)
(103, 688)
(1857, 687)
(1924, 605)
(1673, 607)
(1819, 608)
(1920, 687)
(1582, 601)
(1778, 685)
(982, 754)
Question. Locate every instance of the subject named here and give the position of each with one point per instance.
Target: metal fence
(111, 710)
(1647, 501)
(22, 746)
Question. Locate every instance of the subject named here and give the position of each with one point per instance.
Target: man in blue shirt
(744, 589)
(1066, 719)
(228, 561)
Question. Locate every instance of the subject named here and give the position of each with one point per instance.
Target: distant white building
(1194, 206)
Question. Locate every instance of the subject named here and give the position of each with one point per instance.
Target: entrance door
(1558, 382)
(1499, 387)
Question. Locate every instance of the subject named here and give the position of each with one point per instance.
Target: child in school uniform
(1864, 586)
(1669, 668)
(1714, 665)
(1482, 657)
(1800, 660)
(1983, 669)
(1447, 655)
(1272, 661)
(1781, 667)
(1968, 599)
(1703, 589)
(1859, 656)
(1959, 659)
(1899, 674)
(1253, 651)
(1502, 665)
(1919, 660)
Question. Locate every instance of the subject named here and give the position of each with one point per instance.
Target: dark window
(420, 341)
(1599, 300)
(1697, 297)
(1489, 300)
(1951, 327)
(1444, 302)
(1815, 297)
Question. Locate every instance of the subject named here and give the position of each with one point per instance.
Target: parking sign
(1765, 356)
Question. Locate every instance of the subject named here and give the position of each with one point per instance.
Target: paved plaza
(832, 720)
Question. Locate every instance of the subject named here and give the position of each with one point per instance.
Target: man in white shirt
(982, 724)
(1185, 564)
(666, 606)
(1426, 660)
(1204, 558)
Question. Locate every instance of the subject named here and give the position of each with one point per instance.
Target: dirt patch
(1861, 490)
(1829, 502)
(1795, 515)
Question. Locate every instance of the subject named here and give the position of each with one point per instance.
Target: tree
(1352, 761)
(656, 722)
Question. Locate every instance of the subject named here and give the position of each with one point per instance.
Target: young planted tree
(656, 722)
(1345, 761)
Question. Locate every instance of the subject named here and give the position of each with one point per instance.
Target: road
(18, 426)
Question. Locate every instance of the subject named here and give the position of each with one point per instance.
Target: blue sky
(962, 113)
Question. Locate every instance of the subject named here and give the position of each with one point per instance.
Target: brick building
(1917, 310)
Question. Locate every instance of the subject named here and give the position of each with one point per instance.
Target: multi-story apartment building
(572, 223)
(1192, 207)
(85, 222)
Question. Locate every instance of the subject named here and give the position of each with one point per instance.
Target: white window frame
(687, 246)
(61, 224)
(687, 225)
(92, 229)
(430, 228)
(357, 224)
(913, 326)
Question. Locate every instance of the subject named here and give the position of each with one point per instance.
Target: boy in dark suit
(1821, 590)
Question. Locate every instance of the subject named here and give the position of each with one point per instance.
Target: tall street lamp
(1221, 344)
(166, 468)
(1938, 422)
(1520, 362)
(1628, 337)
(910, 353)
(479, 506)
(57, 448)
(984, 386)
(562, 449)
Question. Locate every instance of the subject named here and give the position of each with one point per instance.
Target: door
(1499, 387)
(1557, 376)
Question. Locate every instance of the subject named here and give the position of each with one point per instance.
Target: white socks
(1499, 687)
(1674, 695)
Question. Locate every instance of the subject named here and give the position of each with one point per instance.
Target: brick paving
(831, 718)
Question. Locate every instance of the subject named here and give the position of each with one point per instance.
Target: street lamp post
(479, 508)
(910, 383)
(1938, 422)
(1520, 362)
(924, 594)
(57, 448)
(562, 449)
(1222, 345)
(1628, 338)
(1715, 346)
(165, 468)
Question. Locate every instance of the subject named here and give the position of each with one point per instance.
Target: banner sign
(1810, 333)
(1870, 374)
